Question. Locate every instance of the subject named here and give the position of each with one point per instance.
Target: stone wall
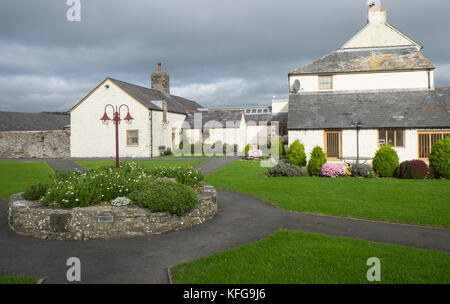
(35, 144)
(103, 222)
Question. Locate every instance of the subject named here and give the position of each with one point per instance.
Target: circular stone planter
(103, 222)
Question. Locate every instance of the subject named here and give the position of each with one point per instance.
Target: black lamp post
(358, 127)
(116, 112)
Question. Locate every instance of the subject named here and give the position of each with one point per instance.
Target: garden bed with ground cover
(108, 202)
(421, 202)
(292, 257)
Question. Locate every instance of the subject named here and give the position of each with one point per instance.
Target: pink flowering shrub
(332, 170)
(254, 154)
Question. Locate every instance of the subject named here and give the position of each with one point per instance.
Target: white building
(379, 78)
(156, 125)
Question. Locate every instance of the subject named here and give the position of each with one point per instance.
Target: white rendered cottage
(158, 118)
(379, 78)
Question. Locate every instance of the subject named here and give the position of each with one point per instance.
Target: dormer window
(326, 82)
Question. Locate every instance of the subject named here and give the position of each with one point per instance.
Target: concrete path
(242, 219)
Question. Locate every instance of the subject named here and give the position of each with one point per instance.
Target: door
(333, 144)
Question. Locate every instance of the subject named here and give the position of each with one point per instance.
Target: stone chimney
(376, 15)
(160, 81)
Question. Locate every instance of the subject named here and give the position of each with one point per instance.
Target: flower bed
(103, 222)
(110, 202)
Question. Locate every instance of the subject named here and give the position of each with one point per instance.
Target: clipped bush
(317, 158)
(361, 170)
(273, 148)
(35, 192)
(440, 158)
(332, 170)
(284, 169)
(385, 161)
(163, 195)
(296, 154)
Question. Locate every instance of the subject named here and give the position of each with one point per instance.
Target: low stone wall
(34, 144)
(103, 222)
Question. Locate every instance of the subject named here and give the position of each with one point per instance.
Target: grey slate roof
(282, 118)
(175, 104)
(360, 60)
(402, 109)
(220, 116)
(14, 121)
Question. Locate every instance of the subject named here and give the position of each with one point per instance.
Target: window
(427, 141)
(392, 137)
(333, 144)
(132, 137)
(266, 110)
(254, 111)
(247, 111)
(259, 111)
(326, 82)
(283, 130)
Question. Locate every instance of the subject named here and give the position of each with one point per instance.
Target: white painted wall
(280, 106)
(162, 132)
(368, 142)
(368, 81)
(90, 138)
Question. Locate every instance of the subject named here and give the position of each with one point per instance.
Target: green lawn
(147, 164)
(18, 280)
(291, 257)
(191, 156)
(422, 202)
(16, 176)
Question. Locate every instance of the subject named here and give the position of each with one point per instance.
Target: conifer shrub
(440, 158)
(317, 158)
(296, 154)
(385, 161)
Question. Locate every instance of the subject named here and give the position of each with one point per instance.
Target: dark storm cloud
(219, 52)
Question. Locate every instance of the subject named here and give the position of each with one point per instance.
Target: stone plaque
(105, 219)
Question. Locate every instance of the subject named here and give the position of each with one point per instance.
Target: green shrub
(296, 154)
(284, 169)
(35, 192)
(246, 149)
(385, 161)
(316, 159)
(361, 170)
(440, 158)
(183, 175)
(273, 148)
(162, 195)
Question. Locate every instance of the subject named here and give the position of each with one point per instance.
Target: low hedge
(163, 195)
(412, 169)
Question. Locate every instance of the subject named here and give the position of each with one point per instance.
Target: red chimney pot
(159, 67)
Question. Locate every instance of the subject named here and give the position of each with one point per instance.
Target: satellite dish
(295, 86)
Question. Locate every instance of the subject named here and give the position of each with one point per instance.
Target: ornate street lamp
(116, 112)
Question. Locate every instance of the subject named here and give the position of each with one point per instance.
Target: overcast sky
(218, 52)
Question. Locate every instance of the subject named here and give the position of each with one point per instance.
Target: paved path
(242, 219)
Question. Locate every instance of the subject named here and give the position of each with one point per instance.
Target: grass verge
(15, 177)
(292, 257)
(18, 280)
(146, 164)
(421, 202)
